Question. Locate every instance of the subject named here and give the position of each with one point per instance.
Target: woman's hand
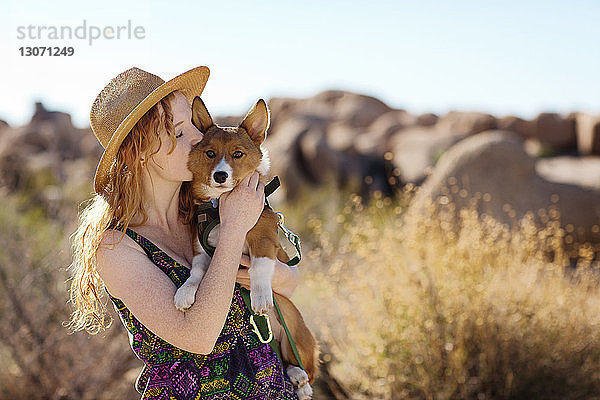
(285, 278)
(240, 209)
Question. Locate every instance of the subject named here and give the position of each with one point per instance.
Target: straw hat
(126, 98)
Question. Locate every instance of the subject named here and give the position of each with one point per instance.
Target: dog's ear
(256, 122)
(200, 116)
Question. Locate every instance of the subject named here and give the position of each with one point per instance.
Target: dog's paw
(261, 273)
(304, 392)
(297, 375)
(261, 299)
(299, 379)
(185, 296)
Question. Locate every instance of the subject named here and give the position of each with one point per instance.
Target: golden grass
(404, 307)
(415, 308)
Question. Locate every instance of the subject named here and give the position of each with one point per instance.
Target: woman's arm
(148, 293)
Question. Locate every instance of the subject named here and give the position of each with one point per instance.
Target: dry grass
(404, 307)
(39, 359)
(415, 308)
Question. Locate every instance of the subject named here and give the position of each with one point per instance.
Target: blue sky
(502, 57)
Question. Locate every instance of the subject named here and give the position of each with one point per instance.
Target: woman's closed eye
(180, 135)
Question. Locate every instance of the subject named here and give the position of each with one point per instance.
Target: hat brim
(190, 83)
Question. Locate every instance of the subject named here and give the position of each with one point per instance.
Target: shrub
(418, 309)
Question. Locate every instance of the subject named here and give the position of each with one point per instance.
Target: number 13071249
(46, 51)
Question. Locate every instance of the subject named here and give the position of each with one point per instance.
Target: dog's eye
(237, 154)
(211, 154)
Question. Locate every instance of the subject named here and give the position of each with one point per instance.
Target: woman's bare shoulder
(113, 239)
(119, 257)
(144, 289)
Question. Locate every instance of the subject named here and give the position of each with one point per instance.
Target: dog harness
(239, 367)
(208, 219)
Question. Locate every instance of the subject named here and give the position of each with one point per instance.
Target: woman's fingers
(245, 260)
(242, 273)
(224, 197)
(243, 278)
(253, 180)
(246, 180)
(243, 205)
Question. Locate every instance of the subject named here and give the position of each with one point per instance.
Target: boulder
(341, 137)
(587, 128)
(517, 125)
(427, 119)
(228, 120)
(492, 173)
(319, 161)
(415, 151)
(42, 147)
(582, 171)
(319, 139)
(392, 121)
(359, 110)
(286, 160)
(356, 109)
(555, 130)
(468, 123)
(53, 131)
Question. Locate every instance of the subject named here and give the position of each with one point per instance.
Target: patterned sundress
(239, 367)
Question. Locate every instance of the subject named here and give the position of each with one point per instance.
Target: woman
(142, 182)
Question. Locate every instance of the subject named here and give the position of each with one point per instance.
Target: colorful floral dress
(239, 367)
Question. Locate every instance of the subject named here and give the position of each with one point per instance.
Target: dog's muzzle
(220, 176)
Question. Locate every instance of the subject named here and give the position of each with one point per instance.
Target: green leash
(262, 324)
(289, 335)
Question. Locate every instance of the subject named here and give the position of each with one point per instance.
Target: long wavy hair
(120, 203)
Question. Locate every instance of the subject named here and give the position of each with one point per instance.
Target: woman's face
(174, 165)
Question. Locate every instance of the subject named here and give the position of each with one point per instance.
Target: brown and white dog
(223, 157)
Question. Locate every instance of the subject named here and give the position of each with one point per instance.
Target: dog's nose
(220, 176)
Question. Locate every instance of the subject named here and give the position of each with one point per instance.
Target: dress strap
(168, 265)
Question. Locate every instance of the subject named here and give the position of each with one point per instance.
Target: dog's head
(225, 155)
